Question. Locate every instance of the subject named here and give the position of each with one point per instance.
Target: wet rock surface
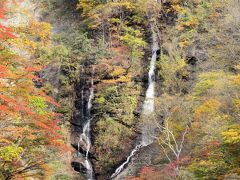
(80, 123)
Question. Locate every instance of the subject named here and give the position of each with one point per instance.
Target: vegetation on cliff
(69, 42)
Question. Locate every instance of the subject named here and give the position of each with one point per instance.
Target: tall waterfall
(85, 137)
(148, 107)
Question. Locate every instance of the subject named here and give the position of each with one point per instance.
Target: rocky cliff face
(110, 101)
(81, 120)
(190, 46)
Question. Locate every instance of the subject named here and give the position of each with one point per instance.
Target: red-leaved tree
(29, 127)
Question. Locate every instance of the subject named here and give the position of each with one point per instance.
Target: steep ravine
(84, 158)
(107, 99)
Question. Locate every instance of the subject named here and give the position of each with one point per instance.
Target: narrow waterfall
(148, 107)
(121, 168)
(85, 137)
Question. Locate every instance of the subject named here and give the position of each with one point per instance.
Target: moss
(100, 100)
(64, 80)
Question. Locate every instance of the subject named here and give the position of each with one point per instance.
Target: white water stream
(85, 137)
(148, 107)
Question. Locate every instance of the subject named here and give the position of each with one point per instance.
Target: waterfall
(120, 168)
(148, 107)
(85, 137)
(89, 169)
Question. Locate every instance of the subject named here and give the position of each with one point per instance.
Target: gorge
(121, 89)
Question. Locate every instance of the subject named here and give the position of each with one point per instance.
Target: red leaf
(33, 68)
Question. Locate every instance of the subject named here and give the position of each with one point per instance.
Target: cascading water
(120, 168)
(85, 137)
(148, 107)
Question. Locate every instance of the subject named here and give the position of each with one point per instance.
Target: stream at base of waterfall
(148, 108)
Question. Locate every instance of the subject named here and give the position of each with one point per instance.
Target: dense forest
(119, 89)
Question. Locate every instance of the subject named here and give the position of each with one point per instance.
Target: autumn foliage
(147, 173)
(5, 32)
(28, 124)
